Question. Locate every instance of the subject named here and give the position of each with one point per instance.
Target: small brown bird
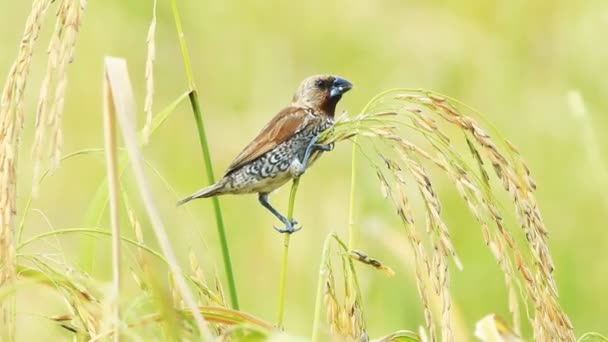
(285, 147)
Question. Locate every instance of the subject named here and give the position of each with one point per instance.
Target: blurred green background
(516, 61)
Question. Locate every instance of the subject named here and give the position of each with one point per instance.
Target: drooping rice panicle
(11, 124)
(48, 137)
(403, 133)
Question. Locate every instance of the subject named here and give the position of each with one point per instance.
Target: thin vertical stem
(283, 276)
(198, 117)
(216, 203)
(109, 117)
(351, 205)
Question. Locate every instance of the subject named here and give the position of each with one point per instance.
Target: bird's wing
(284, 125)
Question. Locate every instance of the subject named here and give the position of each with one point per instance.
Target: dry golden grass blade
(122, 94)
(527, 266)
(48, 136)
(111, 153)
(11, 124)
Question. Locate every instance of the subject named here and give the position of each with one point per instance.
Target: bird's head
(321, 92)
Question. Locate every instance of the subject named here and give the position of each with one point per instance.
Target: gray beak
(339, 86)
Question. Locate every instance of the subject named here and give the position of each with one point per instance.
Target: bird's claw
(289, 229)
(298, 172)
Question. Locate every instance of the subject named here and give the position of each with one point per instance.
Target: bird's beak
(339, 87)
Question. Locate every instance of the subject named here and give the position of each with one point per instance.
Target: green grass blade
(219, 220)
(196, 109)
(89, 232)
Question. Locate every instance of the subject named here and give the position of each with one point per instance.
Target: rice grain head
(48, 138)
(11, 124)
(382, 130)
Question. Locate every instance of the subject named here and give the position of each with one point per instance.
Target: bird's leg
(289, 224)
(312, 146)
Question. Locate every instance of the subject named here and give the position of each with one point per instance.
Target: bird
(285, 147)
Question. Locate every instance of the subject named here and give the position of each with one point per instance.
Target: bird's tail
(209, 191)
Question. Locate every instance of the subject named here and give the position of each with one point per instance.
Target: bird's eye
(320, 83)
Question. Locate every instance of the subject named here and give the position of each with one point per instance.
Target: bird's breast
(272, 169)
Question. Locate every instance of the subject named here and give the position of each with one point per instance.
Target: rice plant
(410, 138)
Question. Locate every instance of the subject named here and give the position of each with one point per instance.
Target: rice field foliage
(438, 237)
(387, 131)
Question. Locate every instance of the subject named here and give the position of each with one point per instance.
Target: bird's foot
(290, 228)
(298, 169)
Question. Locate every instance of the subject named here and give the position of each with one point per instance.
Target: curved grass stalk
(92, 231)
(30, 198)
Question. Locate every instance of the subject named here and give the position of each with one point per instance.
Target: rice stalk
(286, 239)
(11, 124)
(48, 137)
(198, 118)
(397, 161)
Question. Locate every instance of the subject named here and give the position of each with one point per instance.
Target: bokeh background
(525, 64)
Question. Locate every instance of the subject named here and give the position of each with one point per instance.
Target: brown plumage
(285, 147)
